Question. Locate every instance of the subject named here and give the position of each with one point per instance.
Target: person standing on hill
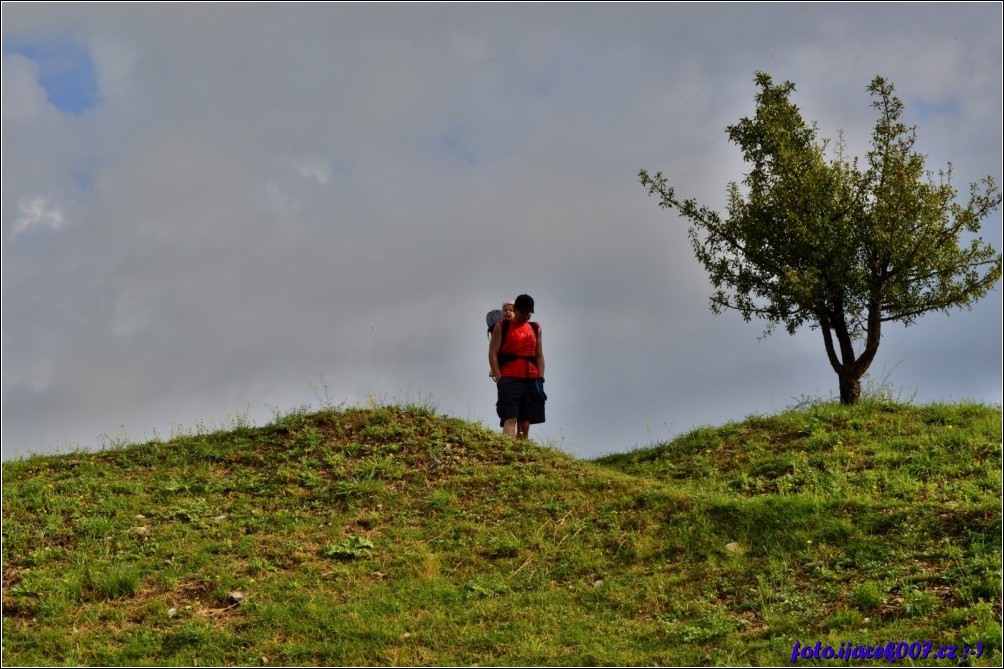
(516, 358)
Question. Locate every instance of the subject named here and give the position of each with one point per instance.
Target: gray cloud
(266, 196)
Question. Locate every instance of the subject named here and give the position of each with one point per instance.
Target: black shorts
(522, 399)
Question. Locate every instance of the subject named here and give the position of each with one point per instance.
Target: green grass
(390, 535)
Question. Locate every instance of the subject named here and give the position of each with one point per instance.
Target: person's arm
(493, 352)
(540, 353)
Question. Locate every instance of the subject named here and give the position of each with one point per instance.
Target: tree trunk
(848, 369)
(850, 388)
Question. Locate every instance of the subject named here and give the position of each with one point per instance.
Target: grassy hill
(394, 536)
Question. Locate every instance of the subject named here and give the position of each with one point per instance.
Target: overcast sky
(213, 211)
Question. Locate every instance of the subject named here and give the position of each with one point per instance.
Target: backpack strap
(505, 330)
(505, 358)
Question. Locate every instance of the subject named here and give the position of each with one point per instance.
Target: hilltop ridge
(392, 535)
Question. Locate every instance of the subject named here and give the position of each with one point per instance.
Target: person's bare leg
(523, 429)
(509, 427)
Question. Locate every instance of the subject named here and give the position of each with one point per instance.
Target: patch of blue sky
(543, 88)
(454, 143)
(65, 71)
(342, 167)
(84, 180)
(925, 109)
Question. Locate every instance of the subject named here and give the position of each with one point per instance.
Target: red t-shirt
(519, 340)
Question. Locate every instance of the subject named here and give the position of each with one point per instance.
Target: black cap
(524, 304)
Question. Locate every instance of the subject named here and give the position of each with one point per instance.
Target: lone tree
(819, 241)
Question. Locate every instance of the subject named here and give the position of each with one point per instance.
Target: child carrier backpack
(492, 319)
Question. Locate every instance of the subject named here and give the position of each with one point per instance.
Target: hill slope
(395, 536)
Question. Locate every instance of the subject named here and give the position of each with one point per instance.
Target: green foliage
(348, 548)
(392, 536)
(868, 596)
(812, 237)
